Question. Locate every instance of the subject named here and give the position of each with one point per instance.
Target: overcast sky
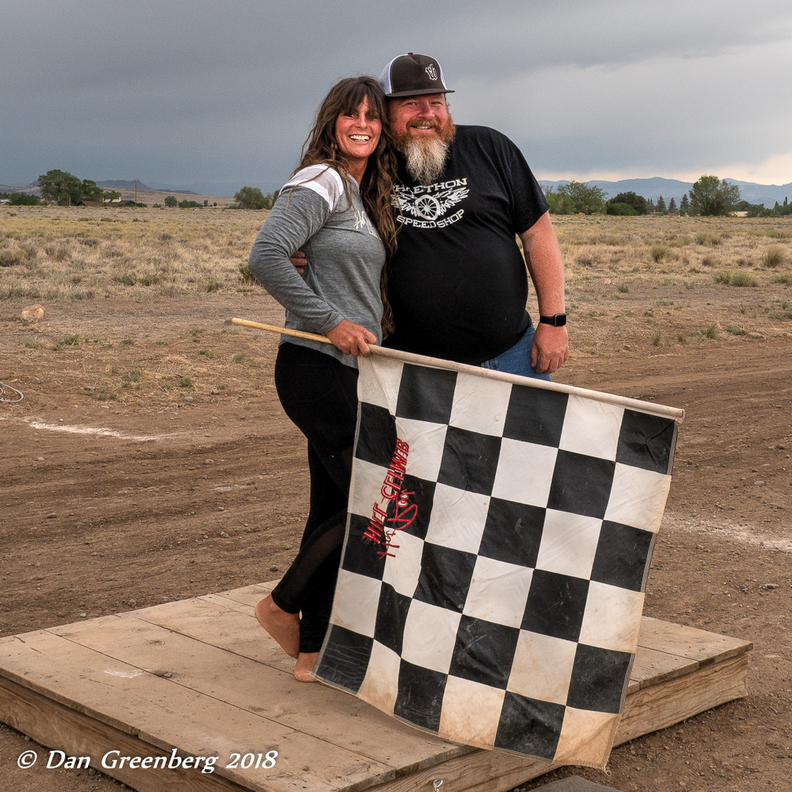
(197, 92)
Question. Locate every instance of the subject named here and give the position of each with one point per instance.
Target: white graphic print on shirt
(429, 203)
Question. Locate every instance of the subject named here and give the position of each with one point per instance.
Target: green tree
(23, 199)
(585, 199)
(110, 195)
(60, 187)
(637, 202)
(684, 205)
(90, 192)
(711, 197)
(251, 198)
(558, 204)
(672, 207)
(661, 205)
(171, 201)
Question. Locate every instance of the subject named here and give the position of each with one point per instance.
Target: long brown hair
(376, 186)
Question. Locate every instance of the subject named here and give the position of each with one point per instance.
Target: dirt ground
(150, 461)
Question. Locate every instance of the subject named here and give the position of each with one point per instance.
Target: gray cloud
(202, 91)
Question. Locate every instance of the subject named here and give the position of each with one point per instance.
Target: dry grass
(669, 249)
(63, 254)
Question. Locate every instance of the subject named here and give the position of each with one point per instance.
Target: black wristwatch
(557, 320)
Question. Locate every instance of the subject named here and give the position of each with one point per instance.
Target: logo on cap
(431, 71)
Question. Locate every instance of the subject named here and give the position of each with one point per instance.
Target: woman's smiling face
(358, 135)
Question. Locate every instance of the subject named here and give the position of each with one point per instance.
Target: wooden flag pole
(282, 330)
(409, 357)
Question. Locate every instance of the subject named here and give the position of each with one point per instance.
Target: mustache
(428, 123)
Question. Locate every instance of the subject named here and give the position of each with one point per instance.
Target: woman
(337, 208)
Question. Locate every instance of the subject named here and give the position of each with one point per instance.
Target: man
(458, 284)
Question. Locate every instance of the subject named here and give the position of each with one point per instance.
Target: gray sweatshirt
(345, 257)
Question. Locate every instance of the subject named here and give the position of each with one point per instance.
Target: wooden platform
(201, 677)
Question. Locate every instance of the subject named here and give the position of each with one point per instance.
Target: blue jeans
(517, 360)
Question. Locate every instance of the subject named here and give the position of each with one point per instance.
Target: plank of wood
(247, 595)
(331, 716)
(675, 700)
(166, 715)
(700, 645)
(231, 604)
(64, 728)
(219, 622)
(652, 666)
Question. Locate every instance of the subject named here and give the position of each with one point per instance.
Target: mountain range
(651, 188)
(766, 194)
(114, 184)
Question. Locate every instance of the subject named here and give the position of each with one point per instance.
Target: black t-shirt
(458, 283)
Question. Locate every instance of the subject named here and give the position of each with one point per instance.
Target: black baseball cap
(412, 75)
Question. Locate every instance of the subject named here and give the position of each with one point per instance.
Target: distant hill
(30, 189)
(122, 185)
(673, 188)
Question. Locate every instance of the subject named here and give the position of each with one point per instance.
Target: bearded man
(458, 284)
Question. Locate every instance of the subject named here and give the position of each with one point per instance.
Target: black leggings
(319, 394)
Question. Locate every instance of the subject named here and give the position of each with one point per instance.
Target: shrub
(743, 279)
(621, 210)
(659, 251)
(58, 253)
(132, 376)
(774, 256)
(707, 238)
(734, 279)
(246, 276)
(10, 258)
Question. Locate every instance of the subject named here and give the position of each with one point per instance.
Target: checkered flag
(498, 542)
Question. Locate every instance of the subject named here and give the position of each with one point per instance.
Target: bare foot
(305, 664)
(283, 627)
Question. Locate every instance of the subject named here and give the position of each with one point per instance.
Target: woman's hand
(351, 339)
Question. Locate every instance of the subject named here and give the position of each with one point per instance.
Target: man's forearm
(550, 349)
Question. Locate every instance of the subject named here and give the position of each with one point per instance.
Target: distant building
(109, 204)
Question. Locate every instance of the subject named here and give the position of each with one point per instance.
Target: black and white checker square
(499, 537)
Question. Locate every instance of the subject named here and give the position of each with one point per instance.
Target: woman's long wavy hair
(376, 186)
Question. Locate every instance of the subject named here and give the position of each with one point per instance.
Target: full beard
(425, 158)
